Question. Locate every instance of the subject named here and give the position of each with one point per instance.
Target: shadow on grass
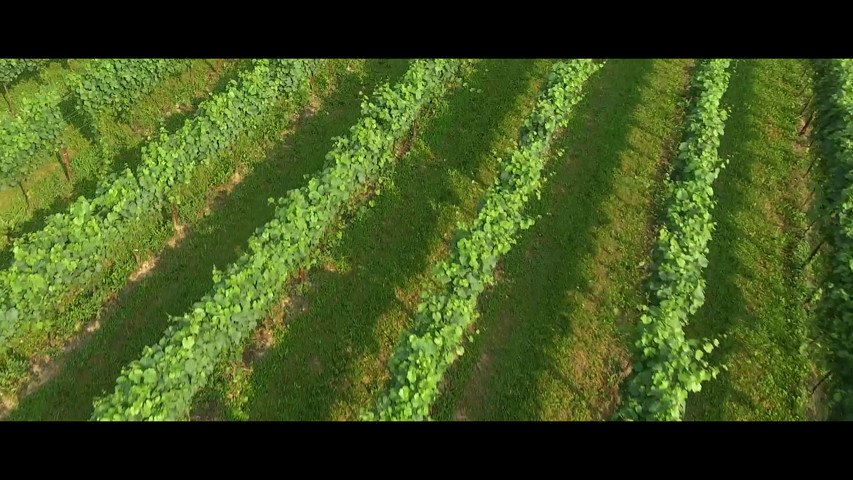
(314, 365)
(183, 274)
(528, 308)
(766, 332)
(725, 305)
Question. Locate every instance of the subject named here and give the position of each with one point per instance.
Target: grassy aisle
(755, 286)
(217, 236)
(552, 343)
(330, 358)
(49, 191)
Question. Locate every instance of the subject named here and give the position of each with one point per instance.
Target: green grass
(331, 348)
(48, 189)
(139, 314)
(555, 329)
(756, 289)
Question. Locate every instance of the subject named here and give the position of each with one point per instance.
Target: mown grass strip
(757, 288)
(160, 386)
(325, 355)
(555, 331)
(424, 355)
(666, 364)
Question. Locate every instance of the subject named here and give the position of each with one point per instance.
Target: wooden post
(803, 130)
(814, 252)
(812, 295)
(69, 174)
(9, 100)
(175, 217)
(26, 197)
(821, 381)
(809, 199)
(807, 105)
(218, 64)
(811, 165)
(811, 225)
(803, 77)
(805, 84)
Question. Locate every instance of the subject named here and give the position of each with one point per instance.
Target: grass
(215, 236)
(330, 353)
(554, 330)
(756, 288)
